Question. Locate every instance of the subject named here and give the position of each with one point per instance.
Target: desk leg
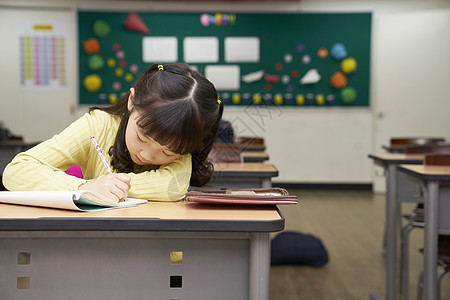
(391, 231)
(259, 266)
(266, 183)
(431, 240)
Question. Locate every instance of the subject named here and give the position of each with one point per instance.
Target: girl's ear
(130, 100)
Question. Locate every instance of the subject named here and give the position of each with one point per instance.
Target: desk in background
(398, 189)
(437, 210)
(253, 147)
(243, 175)
(255, 156)
(10, 148)
(125, 253)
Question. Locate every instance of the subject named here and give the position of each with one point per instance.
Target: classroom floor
(350, 225)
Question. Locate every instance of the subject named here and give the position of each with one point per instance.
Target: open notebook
(72, 200)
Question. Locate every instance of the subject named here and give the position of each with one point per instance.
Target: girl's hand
(113, 186)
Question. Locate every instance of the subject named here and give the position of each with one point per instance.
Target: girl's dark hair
(179, 109)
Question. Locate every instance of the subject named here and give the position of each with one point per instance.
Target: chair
(443, 262)
(416, 140)
(245, 142)
(398, 144)
(222, 152)
(438, 159)
(428, 149)
(416, 217)
(250, 139)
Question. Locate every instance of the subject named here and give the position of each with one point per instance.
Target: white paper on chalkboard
(201, 49)
(242, 49)
(224, 77)
(160, 49)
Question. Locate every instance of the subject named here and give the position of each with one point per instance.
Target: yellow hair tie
(218, 101)
(161, 67)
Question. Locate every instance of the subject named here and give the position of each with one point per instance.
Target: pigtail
(202, 169)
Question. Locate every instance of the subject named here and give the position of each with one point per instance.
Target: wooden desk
(398, 189)
(437, 210)
(255, 156)
(243, 175)
(125, 253)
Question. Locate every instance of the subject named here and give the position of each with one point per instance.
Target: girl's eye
(139, 138)
(168, 155)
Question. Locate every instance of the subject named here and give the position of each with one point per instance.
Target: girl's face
(143, 149)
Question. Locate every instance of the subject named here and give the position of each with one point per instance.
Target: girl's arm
(169, 182)
(42, 167)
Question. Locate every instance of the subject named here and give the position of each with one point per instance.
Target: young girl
(156, 138)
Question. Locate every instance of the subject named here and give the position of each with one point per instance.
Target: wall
(34, 115)
(409, 87)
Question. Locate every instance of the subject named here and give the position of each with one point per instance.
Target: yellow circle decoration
(256, 98)
(129, 77)
(278, 99)
(218, 19)
(236, 98)
(112, 98)
(300, 99)
(119, 72)
(320, 99)
(111, 62)
(348, 65)
(92, 83)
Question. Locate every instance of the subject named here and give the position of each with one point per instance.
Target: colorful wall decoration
(42, 55)
(286, 59)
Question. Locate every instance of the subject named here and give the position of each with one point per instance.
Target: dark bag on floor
(295, 248)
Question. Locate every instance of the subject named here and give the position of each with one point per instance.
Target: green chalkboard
(285, 43)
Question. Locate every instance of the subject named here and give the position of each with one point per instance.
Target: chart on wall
(42, 55)
(301, 59)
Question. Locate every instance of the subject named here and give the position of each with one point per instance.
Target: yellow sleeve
(169, 182)
(42, 167)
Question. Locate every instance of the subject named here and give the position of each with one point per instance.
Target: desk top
(154, 216)
(398, 158)
(430, 172)
(245, 170)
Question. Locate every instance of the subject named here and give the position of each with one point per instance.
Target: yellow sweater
(43, 166)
